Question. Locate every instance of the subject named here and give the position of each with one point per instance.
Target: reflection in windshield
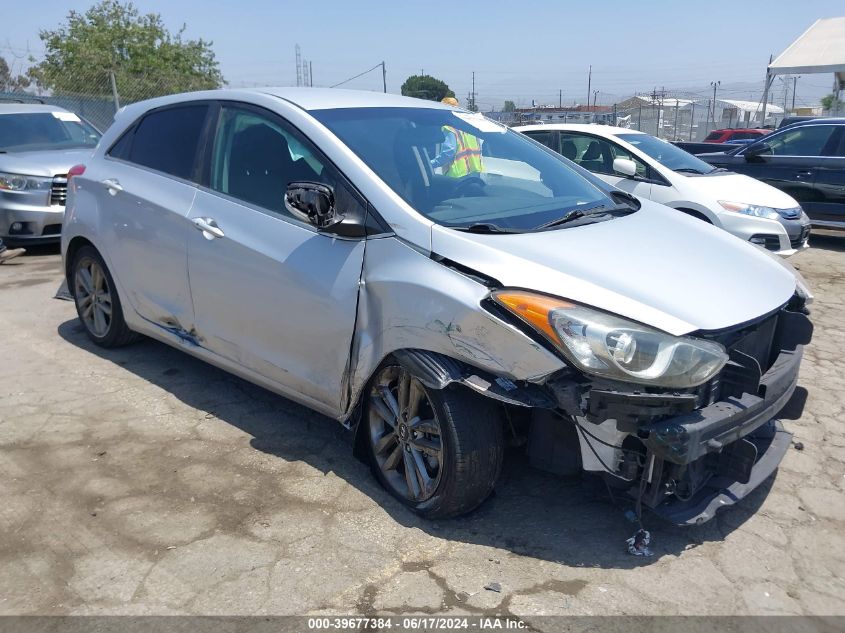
(667, 154)
(461, 169)
(45, 130)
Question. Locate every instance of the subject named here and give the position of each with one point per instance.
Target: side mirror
(625, 166)
(756, 149)
(312, 202)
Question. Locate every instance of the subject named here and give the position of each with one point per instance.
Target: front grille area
(58, 191)
(52, 229)
(798, 241)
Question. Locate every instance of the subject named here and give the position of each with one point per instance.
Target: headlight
(610, 346)
(19, 182)
(750, 209)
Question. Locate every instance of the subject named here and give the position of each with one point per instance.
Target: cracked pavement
(143, 481)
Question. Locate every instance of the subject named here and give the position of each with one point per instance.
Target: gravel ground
(142, 481)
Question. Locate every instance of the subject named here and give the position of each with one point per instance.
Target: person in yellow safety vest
(460, 152)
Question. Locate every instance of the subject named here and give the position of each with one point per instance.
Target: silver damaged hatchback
(443, 287)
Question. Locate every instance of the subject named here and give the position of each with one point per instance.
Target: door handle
(113, 185)
(209, 228)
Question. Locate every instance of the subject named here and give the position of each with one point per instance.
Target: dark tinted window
(804, 140)
(544, 137)
(713, 136)
(167, 140)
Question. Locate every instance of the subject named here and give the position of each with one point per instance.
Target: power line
(379, 65)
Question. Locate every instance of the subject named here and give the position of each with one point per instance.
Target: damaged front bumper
(686, 459)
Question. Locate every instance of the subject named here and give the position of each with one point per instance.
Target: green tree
(9, 82)
(114, 37)
(833, 102)
(509, 106)
(426, 87)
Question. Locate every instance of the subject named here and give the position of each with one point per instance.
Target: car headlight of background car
(611, 346)
(20, 182)
(755, 210)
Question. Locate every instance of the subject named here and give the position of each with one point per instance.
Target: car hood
(655, 266)
(44, 162)
(739, 188)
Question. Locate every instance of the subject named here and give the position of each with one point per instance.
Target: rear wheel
(437, 451)
(97, 303)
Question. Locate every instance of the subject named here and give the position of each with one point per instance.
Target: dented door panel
(275, 297)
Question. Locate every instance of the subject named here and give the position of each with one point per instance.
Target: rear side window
(713, 136)
(545, 137)
(166, 140)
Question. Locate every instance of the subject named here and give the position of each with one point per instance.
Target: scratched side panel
(409, 301)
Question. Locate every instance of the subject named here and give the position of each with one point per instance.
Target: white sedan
(652, 168)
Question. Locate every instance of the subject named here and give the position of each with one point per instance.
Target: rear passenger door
(829, 209)
(271, 293)
(145, 187)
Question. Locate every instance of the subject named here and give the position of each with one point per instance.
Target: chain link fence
(98, 95)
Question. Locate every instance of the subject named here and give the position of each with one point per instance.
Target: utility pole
(765, 99)
(589, 81)
(114, 94)
(595, 94)
(794, 90)
(691, 119)
(675, 133)
(298, 65)
(311, 74)
(471, 105)
(715, 85)
(560, 99)
(384, 75)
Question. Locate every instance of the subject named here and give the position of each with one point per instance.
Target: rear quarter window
(165, 140)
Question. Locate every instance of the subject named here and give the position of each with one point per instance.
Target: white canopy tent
(820, 49)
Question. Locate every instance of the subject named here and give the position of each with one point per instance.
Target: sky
(521, 51)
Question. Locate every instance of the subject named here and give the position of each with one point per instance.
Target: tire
(99, 311)
(471, 444)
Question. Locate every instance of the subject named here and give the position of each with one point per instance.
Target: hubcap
(405, 435)
(93, 298)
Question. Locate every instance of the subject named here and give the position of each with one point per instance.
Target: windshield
(667, 154)
(45, 130)
(463, 170)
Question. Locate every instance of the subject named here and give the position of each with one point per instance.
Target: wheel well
(75, 244)
(695, 214)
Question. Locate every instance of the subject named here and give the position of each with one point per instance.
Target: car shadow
(532, 513)
(828, 240)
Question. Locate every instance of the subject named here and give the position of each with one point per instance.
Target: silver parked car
(38, 145)
(440, 285)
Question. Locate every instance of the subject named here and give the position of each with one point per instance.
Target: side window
(807, 140)
(256, 157)
(121, 148)
(596, 154)
(547, 138)
(621, 152)
(167, 140)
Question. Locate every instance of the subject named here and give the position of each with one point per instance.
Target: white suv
(655, 169)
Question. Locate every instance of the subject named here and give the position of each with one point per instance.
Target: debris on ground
(493, 586)
(638, 544)
(799, 446)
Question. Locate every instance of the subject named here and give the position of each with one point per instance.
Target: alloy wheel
(405, 435)
(93, 297)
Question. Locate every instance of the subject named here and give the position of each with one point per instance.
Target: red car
(735, 134)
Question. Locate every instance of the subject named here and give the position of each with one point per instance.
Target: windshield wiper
(484, 227)
(577, 214)
(690, 170)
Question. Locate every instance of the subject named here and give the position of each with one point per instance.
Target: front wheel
(437, 451)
